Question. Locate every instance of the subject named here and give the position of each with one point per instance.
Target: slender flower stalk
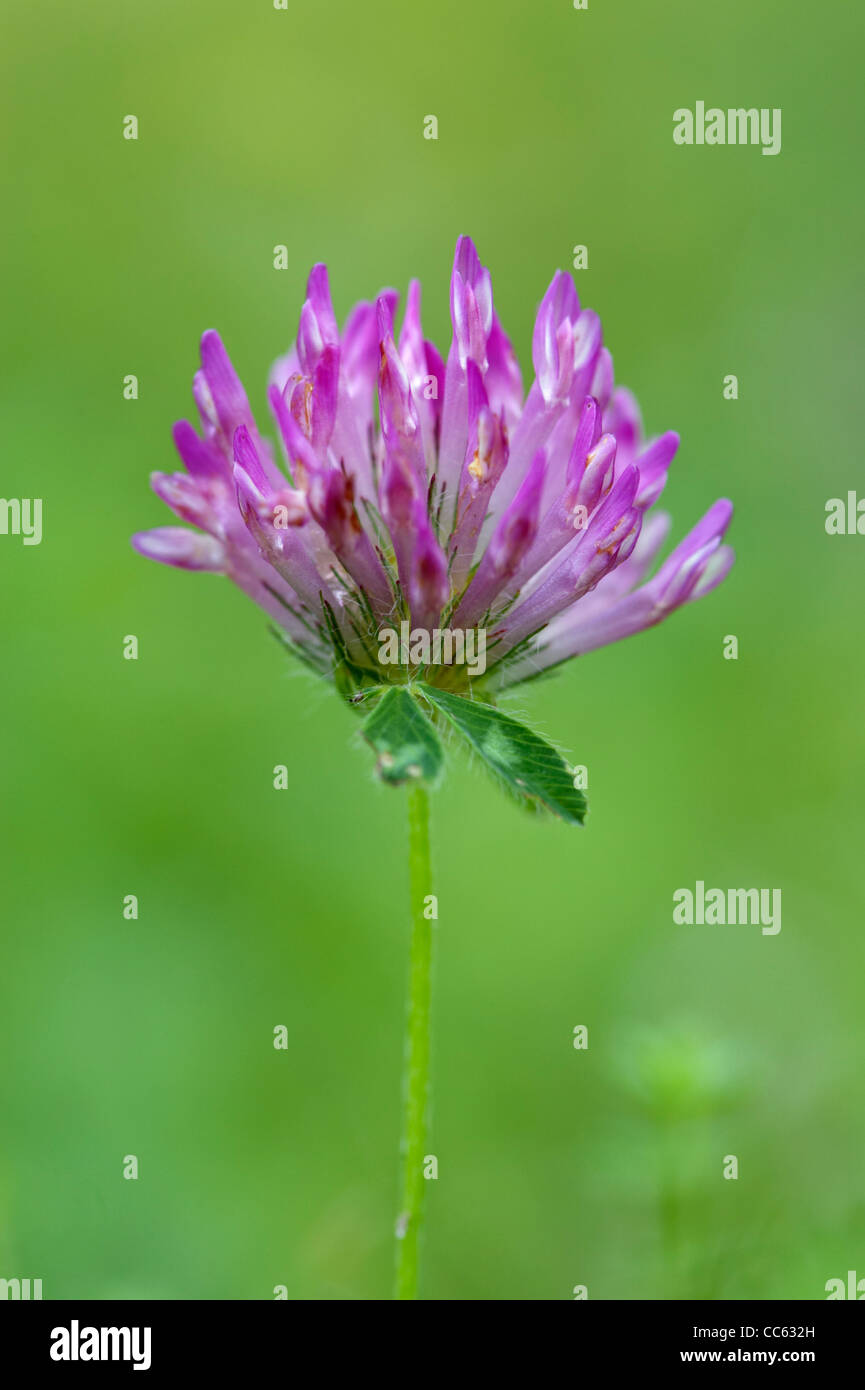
(417, 1048)
(432, 536)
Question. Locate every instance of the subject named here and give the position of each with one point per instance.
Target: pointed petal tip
(719, 516)
(178, 546)
(211, 345)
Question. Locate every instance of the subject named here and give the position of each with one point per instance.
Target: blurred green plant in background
(690, 1086)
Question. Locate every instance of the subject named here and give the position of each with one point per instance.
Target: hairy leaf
(527, 765)
(407, 745)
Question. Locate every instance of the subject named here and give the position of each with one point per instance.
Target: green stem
(417, 1048)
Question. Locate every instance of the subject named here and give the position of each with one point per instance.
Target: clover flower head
(421, 496)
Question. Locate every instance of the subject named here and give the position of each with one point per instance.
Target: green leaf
(528, 766)
(408, 746)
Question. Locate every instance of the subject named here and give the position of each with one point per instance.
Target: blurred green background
(259, 908)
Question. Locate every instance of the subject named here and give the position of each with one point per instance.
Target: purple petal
(558, 309)
(331, 500)
(302, 459)
(175, 545)
(653, 464)
(602, 381)
(485, 461)
(428, 586)
(200, 457)
(224, 390)
(318, 295)
(510, 542)
(504, 380)
(607, 541)
(697, 565)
